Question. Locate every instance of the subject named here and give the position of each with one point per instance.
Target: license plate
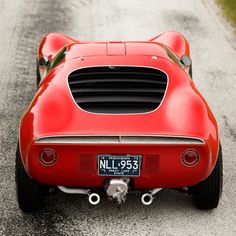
(119, 165)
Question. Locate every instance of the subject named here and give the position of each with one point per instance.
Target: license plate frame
(112, 164)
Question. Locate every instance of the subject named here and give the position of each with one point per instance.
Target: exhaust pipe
(94, 199)
(147, 199)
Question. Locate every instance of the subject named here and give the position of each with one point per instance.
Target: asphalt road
(23, 23)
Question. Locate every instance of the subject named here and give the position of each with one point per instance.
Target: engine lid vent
(118, 90)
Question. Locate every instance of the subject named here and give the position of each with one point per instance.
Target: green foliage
(229, 10)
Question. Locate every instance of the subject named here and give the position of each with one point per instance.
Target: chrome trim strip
(119, 139)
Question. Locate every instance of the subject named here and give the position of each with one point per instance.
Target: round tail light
(47, 157)
(190, 158)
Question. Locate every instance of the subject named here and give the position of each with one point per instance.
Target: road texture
(23, 23)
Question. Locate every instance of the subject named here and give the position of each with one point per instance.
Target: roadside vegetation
(229, 10)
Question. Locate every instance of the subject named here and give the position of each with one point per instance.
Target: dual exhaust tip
(146, 199)
(94, 198)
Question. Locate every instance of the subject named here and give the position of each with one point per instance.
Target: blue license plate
(119, 165)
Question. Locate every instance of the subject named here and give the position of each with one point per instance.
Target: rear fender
(52, 43)
(175, 41)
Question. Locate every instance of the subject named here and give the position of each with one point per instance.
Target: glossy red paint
(183, 112)
(161, 165)
(174, 40)
(52, 43)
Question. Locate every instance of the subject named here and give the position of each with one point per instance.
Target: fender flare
(175, 41)
(52, 43)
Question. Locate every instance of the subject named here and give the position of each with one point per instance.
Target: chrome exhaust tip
(94, 198)
(147, 199)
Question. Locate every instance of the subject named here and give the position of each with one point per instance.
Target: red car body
(183, 121)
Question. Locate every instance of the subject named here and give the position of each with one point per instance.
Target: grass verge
(229, 10)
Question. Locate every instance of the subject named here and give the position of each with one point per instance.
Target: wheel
(207, 194)
(30, 194)
(38, 78)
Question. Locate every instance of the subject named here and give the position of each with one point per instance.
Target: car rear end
(115, 128)
(148, 161)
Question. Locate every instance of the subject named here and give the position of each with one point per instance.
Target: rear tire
(207, 194)
(30, 194)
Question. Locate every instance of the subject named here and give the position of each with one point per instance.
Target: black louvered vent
(118, 90)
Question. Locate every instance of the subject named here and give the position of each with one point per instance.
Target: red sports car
(117, 117)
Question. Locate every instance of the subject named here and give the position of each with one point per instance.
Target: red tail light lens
(190, 158)
(47, 157)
